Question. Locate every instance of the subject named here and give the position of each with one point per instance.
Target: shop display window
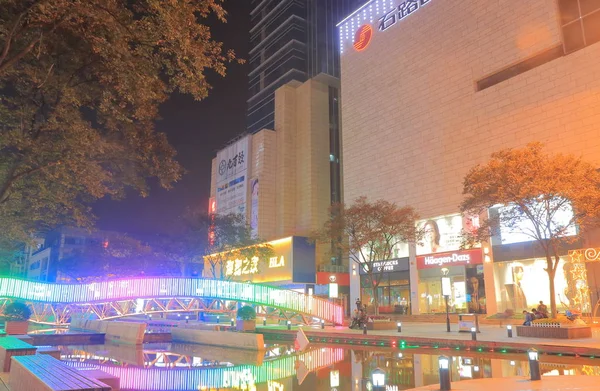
(520, 285)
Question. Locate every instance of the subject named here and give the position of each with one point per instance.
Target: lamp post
(444, 364)
(378, 379)
(534, 364)
(509, 331)
(446, 292)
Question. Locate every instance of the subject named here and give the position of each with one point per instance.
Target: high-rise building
(430, 89)
(290, 40)
(285, 173)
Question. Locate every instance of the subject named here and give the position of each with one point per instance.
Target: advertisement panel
(254, 207)
(442, 234)
(232, 172)
(278, 267)
(453, 258)
(522, 230)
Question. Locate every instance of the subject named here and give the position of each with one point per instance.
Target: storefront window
(393, 293)
(522, 284)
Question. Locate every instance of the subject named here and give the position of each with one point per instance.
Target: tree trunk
(375, 295)
(551, 274)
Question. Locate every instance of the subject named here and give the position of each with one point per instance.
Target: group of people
(360, 315)
(536, 313)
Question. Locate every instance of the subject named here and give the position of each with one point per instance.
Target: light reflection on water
(166, 367)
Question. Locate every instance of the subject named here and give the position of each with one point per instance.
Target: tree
(535, 189)
(119, 256)
(81, 82)
(368, 232)
(232, 252)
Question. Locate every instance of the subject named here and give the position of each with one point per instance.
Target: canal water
(185, 367)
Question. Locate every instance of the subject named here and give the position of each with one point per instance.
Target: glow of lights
(180, 379)
(108, 291)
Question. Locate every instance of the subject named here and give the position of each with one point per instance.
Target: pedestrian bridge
(54, 303)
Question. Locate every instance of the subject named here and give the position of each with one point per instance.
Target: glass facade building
(290, 40)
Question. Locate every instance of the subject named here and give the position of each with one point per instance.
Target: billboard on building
(254, 207)
(440, 234)
(232, 173)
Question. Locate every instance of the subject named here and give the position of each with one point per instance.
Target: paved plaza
(488, 333)
(548, 383)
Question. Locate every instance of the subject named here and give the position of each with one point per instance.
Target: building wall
(292, 163)
(414, 122)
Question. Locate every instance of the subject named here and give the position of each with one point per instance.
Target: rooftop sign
(357, 30)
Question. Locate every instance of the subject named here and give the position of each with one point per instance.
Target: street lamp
(378, 379)
(534, 364)
(444, 363)
(446, 292)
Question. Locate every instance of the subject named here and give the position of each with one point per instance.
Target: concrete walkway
(491, 334)
(548, 383)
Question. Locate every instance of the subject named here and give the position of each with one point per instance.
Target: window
(580, 23)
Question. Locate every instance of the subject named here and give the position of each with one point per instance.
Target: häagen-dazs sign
(451, 258)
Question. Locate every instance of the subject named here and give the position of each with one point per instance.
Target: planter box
(16, 328)
(575, 332)
(381, 325)
(245, 325)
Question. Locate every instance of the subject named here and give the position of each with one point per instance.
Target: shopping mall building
(430, 88)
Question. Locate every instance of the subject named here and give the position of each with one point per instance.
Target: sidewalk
(548, 383)
(491, 337)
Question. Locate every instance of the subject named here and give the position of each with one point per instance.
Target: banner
(232, 184)
(254, 207)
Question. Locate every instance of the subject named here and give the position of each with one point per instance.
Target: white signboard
(441, 234)
(524, 230)
(232, 177)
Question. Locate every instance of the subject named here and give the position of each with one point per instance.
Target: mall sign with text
(450, 258)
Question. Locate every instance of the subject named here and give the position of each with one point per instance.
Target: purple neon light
(157, 288)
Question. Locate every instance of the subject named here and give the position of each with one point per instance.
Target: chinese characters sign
(397, 14)
(244, 267)
(232, 172)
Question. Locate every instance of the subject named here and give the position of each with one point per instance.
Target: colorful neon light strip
(169, 288)
(183, 379)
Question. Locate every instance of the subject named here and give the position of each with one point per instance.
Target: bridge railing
(169, 287)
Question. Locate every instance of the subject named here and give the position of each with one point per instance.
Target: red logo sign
(362, 38)
(452, 258)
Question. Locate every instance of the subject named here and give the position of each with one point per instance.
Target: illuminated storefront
(394, 286)
(291, 265)
(465, 270)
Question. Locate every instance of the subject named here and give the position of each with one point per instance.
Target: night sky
(196, 130)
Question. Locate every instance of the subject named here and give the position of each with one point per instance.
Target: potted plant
(246, 319)
(17, 316)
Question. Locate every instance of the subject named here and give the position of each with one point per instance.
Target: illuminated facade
(431, 88)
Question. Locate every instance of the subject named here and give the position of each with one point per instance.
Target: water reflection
(171, 367)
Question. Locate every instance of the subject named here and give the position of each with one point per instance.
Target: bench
(45, 373)
(571, 332)
(12, 346)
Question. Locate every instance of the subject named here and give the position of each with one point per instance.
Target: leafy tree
(368, 232)
(81, 82)
(232, 252)
(535, 188)
(119, 256)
